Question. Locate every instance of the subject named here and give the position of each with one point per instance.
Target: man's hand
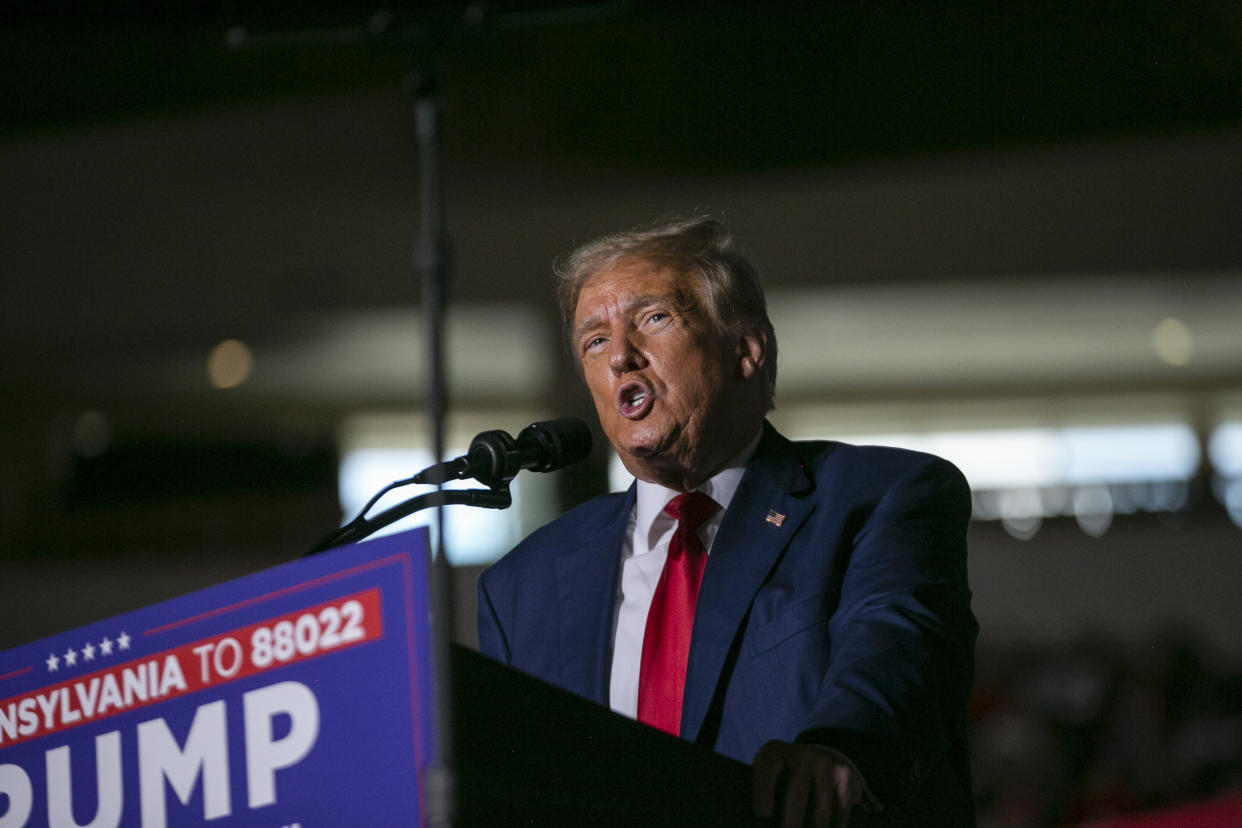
(820, 786)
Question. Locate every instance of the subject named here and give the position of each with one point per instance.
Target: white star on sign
(123, 640)
(105, 646)
(88, 652)
(71, 657)
(52, 663)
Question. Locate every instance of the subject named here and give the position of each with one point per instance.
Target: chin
(647, 439)
(639, 451)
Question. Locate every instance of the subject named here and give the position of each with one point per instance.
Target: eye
(656, 317)
(593, 342)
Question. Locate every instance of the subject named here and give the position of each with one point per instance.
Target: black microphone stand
(363, 527)
(439, 781)
(429, 264)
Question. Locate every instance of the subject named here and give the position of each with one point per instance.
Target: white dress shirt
(642, 560)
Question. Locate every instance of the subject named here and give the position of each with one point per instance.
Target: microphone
(495, 458)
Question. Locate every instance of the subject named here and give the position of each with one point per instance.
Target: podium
(305, 695)
(528, 753)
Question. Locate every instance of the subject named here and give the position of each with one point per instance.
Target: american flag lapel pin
(774, 517)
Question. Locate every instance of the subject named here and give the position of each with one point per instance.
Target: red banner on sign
(229, 656)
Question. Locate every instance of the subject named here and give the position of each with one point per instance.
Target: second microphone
(494, 458)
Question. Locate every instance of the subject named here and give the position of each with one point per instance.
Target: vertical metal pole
(429, 263)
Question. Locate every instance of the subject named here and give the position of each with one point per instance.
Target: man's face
(672, 394)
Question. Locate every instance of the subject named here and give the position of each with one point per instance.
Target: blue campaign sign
(301, 695)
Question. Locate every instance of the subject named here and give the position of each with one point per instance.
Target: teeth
(636, 398)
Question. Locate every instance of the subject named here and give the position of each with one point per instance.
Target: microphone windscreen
(562, 442)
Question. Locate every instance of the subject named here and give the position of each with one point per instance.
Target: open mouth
(634, 400)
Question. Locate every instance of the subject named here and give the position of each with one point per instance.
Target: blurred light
(1021, 512)
(1225, 449)
(1022, 528)
(983, 506)
(1225, 452)
(1058, 500)
(229, 364)
(1233, 500)
(1173, 342)
(1129, 454)
(1001, 459)
(1170, 495)
(1093, 509)
(1092, 473)
(474, 535)
(619, 477)
(990, 459)
(92, 432)
(1129, 498)
(1047, 458)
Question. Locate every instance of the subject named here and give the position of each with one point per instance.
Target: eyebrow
(633, 303)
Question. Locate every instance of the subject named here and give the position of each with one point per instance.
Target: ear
(752, 349)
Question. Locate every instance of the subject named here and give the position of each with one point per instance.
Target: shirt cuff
(868, 802)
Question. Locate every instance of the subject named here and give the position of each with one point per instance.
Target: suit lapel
(587, 577)
(746, 548)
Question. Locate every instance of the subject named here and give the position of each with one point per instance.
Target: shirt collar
(651, 498)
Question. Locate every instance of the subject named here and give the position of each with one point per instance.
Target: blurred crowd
(1062, 737)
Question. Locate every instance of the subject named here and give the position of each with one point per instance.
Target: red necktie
(666, 642)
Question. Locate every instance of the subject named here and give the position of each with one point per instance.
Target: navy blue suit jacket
(846, 623)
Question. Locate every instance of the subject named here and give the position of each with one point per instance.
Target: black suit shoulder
(591, 515)
(866, 469)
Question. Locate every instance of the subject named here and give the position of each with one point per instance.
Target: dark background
(175, 174)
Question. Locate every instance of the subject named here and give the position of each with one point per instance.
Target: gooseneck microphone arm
(363, 527)
(494, 458)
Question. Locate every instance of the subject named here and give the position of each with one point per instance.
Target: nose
(624, 356)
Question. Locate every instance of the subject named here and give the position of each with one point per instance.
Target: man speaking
(800, 606)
